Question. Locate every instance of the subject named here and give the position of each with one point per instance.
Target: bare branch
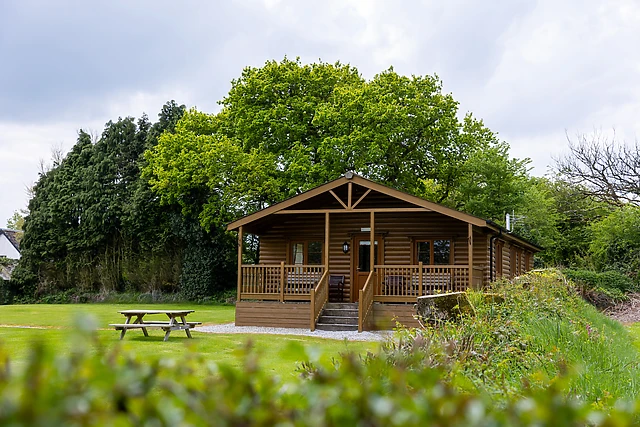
(607, 169)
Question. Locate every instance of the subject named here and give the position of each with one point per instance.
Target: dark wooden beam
(338, 198)
(360, 199)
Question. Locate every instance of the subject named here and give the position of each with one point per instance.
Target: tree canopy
(606, 169)
(287, 127)
(95, 225)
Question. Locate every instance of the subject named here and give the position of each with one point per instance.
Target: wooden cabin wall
(274, 243)
(509, 267)
(273, 314)
(481, 256)
(397, 230)
(385, 316)
(400, 228)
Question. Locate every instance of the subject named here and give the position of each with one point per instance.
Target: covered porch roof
(352, 193)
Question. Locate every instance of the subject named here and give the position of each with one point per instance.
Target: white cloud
(531, 70)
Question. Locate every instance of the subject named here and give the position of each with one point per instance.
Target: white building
(9, 245)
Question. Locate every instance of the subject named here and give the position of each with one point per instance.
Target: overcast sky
(532, 71)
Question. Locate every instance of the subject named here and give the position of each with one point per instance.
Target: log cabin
(355, 254)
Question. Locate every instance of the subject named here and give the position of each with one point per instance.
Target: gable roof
(383, 189)
(12, 236)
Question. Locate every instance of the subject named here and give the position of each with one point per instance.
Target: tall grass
(540, 331)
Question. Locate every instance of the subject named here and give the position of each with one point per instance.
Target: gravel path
(231, 328)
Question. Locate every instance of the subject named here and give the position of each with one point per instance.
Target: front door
(361, 262)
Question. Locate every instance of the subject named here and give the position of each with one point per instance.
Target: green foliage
(541, 329)
(287, 127)
(492, 183)
(95, 225)
(206, 262)
(16, 222)
(603, 289)
(616, 241)
(611, 280)
(96, 386)
(558, 216)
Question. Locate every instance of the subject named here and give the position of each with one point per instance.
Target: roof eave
(507, 233)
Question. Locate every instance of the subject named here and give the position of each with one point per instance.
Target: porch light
(345, 247)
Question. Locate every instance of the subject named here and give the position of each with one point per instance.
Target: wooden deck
(391, 283)
(388, 293)
(297, 315)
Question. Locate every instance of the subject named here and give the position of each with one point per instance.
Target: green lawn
(54, 324)
(634, 330)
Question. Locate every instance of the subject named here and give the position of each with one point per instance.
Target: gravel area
(627, 312)
(231, 328)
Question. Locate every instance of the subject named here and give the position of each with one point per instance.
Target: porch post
(326, 241)
(372, 248)
(240, 241)
(282, 281)
(471, 284)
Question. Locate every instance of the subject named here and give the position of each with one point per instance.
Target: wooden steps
(339, 316)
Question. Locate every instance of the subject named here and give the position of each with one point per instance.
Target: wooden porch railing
(366, 301)
(403, 283)
(318, 298)
(279, 282)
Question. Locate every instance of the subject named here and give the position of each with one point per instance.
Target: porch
(384, 284)
(389, 283)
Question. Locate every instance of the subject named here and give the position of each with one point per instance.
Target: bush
(94, 386)
(616, 241)
(5, 292)
(539, 329)
(601, 289)
(609, 280)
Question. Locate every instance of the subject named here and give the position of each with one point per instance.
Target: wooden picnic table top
(168, 312)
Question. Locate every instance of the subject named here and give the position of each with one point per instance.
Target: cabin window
(433, 251)
(315, 253)
(307, 252)
(424, 252)
(364, 255)
(297, 252)
(442, 252)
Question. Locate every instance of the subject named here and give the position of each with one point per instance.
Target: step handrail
(318, 298)
(366, 301)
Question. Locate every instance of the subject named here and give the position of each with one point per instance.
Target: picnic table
(177, 321)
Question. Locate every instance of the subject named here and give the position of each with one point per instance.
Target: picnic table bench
(177, 321)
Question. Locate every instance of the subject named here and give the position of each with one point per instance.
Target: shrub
(538, 330)
(609, 280)
(601, 289)
(95, 386)
(5, 292)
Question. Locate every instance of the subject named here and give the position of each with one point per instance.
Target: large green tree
(95, 224)
(286, 127)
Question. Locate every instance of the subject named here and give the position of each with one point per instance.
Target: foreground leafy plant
(96, 386)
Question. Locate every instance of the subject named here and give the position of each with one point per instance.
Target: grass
(540, 332)
(634, 331)
(54, 324)
(62, 315)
